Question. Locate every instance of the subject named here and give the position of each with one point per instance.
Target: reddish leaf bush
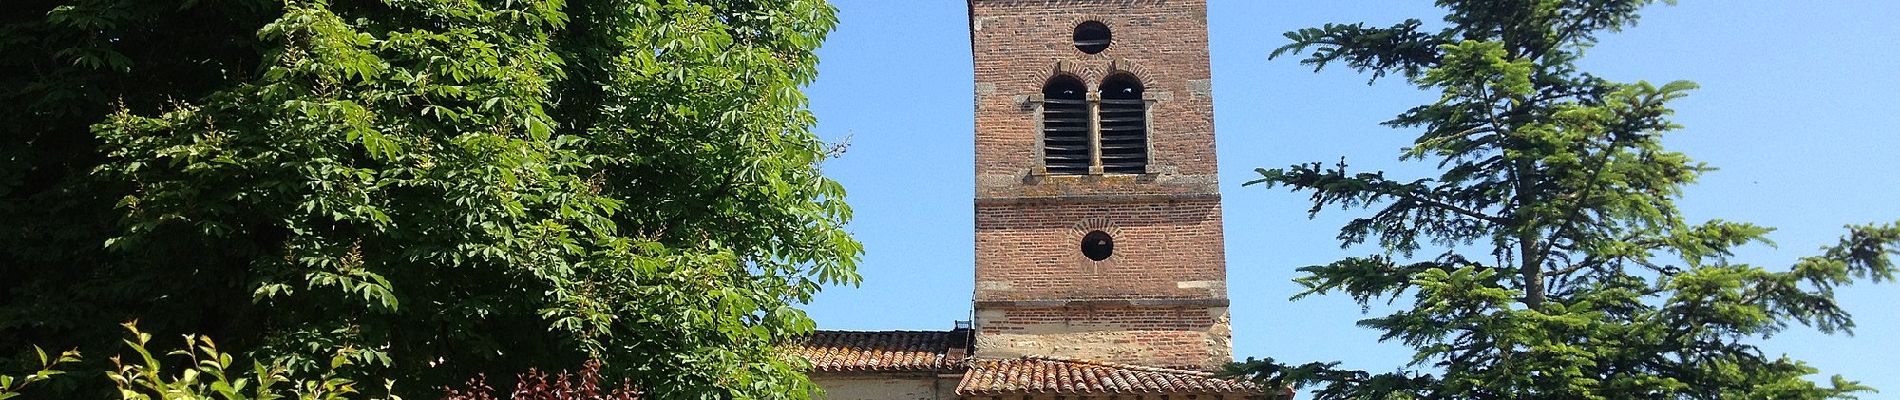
(537, 385)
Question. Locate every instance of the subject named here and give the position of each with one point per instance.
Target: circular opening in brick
(1091, 37)
(1098, 245)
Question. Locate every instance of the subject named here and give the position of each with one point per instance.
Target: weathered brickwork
(1161, 297)
(1173, 337)
(1163, 249)
(1105, 282)
(1018, 45)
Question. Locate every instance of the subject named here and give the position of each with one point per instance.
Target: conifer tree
(1548, 258)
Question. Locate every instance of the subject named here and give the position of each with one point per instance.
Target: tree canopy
(1548, 258)
(436, 188)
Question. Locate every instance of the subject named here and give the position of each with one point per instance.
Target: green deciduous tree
(440, 187)
(1548, 259)
(205, 373)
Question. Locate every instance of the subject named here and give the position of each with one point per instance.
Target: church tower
(1098, 219)
(1100, 270)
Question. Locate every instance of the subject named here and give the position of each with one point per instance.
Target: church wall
(1114, 397)
(1162, 250)
(1019, 45)
(874, 386)
(1160, 299)
(1175, 337)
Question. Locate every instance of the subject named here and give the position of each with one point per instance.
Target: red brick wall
(1019, 44)
(1177, 318)
(1161, 298)
(1163, 250)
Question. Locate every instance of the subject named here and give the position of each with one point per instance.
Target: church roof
(881, 351)
(942, 351)
(1046, 375)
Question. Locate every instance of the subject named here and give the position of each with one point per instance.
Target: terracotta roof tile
(881, 351)
(928, 351)
(1059, 376)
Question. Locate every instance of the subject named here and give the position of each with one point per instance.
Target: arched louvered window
(1065, 126)
(1124, 125)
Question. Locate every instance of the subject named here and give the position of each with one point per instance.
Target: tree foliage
(441, 187)
(207, 373)
(537, 385)
(1548, 258)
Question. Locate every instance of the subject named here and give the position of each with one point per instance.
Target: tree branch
(1448, 207)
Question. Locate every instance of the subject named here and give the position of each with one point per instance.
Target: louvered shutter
(1124, 121)
(1065, 127)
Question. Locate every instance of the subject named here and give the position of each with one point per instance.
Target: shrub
(208, 375)
(537, 385)
(11, 385)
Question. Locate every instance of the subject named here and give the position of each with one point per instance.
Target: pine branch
(1334, 186)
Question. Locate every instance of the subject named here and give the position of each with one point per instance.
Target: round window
(1091, 37)
(1098, 245)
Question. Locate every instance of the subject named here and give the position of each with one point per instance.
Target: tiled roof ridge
(818, 331)
(878, 351)
(1046, 374)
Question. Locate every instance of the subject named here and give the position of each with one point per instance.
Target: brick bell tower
(1098, 219)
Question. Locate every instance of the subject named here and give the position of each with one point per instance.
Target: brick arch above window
(1077, 20)
(1081, 230)
(1122, 66)
(1093, 70)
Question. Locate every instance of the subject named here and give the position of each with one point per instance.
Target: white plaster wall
(880, 387)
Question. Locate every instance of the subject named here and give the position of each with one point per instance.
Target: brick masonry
(1173, 337)
(1160, 300)
(1018, 45)
(1163, 249)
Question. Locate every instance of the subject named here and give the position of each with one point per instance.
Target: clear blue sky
(1798, 108)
